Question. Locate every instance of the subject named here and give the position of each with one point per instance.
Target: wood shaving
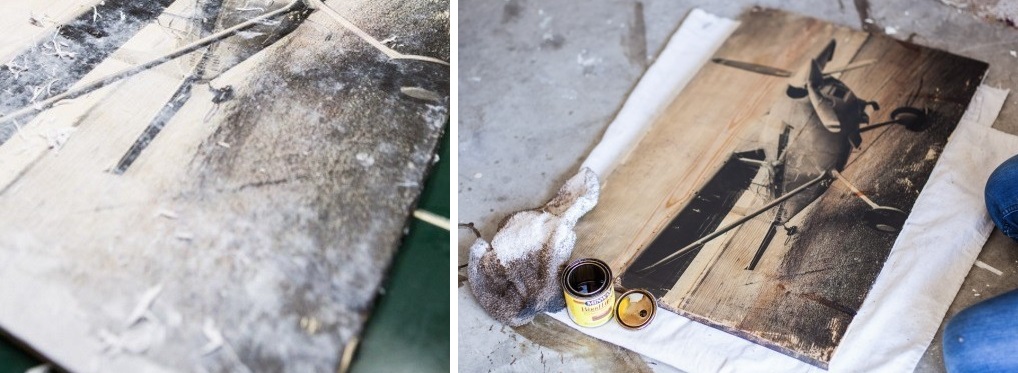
(215, 338)
(144, 303)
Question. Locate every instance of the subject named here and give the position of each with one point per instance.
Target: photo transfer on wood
(766, 197)
(209, 185)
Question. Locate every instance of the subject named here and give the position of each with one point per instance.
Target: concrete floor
(540, 80)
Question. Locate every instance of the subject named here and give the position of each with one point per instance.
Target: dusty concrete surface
(540, 81)
(1000, 10)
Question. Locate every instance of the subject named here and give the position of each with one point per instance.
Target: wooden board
(253, 229)
(822, 260)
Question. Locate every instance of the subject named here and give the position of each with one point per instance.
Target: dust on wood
(292, 224)
(61, 58)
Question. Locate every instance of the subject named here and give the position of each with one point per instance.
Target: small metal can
(590, 296)
(636, 308)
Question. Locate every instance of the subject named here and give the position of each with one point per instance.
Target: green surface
(409, 330)
(13, 359)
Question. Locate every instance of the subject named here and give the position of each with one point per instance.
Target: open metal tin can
(588, 286)
(590, 296)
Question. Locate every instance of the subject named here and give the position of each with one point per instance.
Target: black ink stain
(511, 11)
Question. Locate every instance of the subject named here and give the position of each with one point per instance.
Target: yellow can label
(593, 312)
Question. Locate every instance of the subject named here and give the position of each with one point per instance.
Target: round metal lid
(635, 309)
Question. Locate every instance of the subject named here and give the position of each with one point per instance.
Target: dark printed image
(782, 240)
(797, 174)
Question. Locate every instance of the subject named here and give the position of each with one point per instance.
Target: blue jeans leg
(984, 337)
(1002, 197)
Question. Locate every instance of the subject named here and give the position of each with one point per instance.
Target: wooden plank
(63, 52)
(706, 123)
(268, 217)
(32, 20)
(820, 264)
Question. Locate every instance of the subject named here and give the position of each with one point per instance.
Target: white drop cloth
(926, 266)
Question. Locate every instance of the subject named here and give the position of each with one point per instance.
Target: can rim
(564, 280)
(653, 311)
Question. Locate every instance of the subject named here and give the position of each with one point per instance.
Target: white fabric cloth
(926, 266)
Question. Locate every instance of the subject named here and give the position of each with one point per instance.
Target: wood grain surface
(803, 294)
(252, 232)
